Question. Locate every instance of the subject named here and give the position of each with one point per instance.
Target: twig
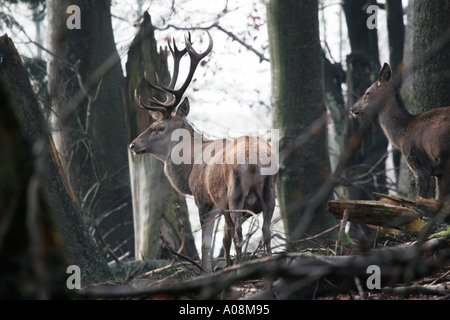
(241, 211)
(406, 291)
(182, 236)
(358, 285)
(242, 43)
(319, 234)
(158, 270)
(440, 277)
(180, 255)
(297, 273)
(229, 33)
(341, 232)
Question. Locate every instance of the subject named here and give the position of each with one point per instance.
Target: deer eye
(161, 128)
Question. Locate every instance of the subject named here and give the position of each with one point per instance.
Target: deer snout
(356, 110)
(135, 149)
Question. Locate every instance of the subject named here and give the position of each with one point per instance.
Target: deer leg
(423, 183)
(236, 202)
(207, 224)
(237, 221)
(437, 194)
(268, 206)
(443, 187)
(267, 218)
(227, 237)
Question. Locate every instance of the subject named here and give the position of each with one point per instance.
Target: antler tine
(193, 54)
(152, 86)
(195, 59)
(171, 102)
(177, 55)
(144, 106)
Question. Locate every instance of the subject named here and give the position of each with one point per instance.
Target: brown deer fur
(423, 139)
(218, 184)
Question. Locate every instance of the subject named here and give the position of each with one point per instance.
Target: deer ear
(385, 73)
(156, 115)
(183, 109)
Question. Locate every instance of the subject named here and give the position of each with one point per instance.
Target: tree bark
(42, 230)
(86, 89)
(431, 57)
(334, 76)
(362, 70)
(157, 206)
(406, 183)
(299, 108)
(396, 32)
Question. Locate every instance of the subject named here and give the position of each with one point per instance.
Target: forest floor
(312, 274)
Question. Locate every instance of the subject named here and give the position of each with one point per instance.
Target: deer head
(373, 99)
(157, 138)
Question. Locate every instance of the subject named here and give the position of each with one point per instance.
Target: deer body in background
(423, 139)
(227, 176)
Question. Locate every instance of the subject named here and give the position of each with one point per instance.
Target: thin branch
(180, 255)
(219, 27)
(242, 43)
(296, 272)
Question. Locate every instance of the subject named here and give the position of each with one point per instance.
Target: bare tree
(431, 57)
(363, 66)
(85, 82)
(157, 207)
(42, 231)
(299, 109)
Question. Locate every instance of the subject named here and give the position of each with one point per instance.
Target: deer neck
(394, 118)
(179, 173)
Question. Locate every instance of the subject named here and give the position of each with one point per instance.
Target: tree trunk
(334, 76)
(363, 69)
(406, 183)
(86, 83)
(299, 108)
(396, 31)
(157, 206)
(42, 231)
(431, 54)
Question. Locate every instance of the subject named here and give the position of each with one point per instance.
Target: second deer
(227, 178)
(423, 139)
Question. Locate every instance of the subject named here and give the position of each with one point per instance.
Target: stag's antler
(173, 97)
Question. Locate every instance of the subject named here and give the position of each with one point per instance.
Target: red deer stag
(423, 139)
(223, 176)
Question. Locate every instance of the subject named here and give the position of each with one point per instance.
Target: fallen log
(312, 276)
(391, 211)
(294, 275)
(424, 207)
(376, 213)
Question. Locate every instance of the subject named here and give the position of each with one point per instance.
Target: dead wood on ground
(294, 275)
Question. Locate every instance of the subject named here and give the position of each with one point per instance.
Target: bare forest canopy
(82, 217)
